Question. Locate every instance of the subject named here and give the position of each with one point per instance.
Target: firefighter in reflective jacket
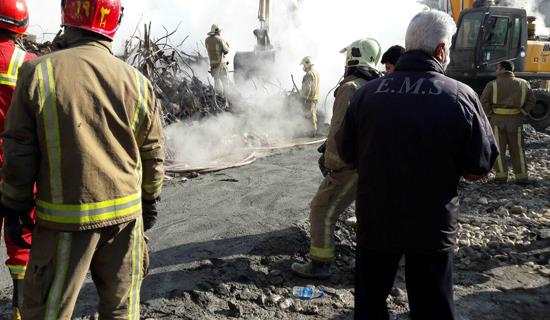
(13, 23)
(338, 190)
(507, 102)
(218, 49)
(311, 92)
(86, 128)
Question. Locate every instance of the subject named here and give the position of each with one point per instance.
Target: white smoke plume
(298, 28)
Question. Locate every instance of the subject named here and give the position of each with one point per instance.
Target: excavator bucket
(253, 64)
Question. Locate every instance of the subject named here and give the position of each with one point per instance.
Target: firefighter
(391, 56)
(310, 91)
(14, 18)
(217, 49)
(337, 191)
(508, 101)
(86, 128)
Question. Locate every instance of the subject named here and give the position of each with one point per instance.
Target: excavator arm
(457, 6)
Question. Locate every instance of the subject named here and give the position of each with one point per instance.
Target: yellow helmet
(307, 61)
(363, 53)
(214, 30)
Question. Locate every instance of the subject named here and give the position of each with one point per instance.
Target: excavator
(254, 64)
(488, 34)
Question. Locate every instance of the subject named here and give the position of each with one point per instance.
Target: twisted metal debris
(182, 94)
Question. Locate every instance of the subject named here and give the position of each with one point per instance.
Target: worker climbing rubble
(337, 191)
(508, 101)
(93, 143)
(13, 24)
(218, 49)
(311, 92)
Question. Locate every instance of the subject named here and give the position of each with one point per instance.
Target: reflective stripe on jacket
(86, 127)
(11, 59)
(508, 96)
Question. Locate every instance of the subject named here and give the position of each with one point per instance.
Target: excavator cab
(485, 37)
(489, 34)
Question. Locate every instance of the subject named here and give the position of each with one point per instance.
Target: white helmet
(214, 30)
(363, 53)
(307, 61)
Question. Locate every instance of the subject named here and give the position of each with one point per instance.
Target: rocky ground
(226, 240)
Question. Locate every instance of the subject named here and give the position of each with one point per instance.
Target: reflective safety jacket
(311, 86)
(217, 49)
(508, 97)
(86, 127)
(11, 59)
(344, 93)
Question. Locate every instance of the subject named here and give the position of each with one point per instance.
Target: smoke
(299, 28)
(537, 8)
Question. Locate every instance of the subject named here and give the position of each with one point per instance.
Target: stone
(503, 211)
(483, 201)
(285, 304)
(246, 294)
(544, 234)
(235, 310)
(517, 210)
(223, 289)
(263, 299)
(275, 298)
(311, 310)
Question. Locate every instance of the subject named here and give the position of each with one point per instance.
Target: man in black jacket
(412, 135)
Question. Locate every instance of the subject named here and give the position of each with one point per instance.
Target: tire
(540, 116)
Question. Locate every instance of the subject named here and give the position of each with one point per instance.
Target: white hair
(428, 29)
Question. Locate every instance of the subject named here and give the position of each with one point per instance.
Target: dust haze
(298, 28)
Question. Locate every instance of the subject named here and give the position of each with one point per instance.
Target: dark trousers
(429, 278)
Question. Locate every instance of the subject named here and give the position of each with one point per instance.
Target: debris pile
(182, 94)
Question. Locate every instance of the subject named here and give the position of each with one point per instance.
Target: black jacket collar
(419, 61)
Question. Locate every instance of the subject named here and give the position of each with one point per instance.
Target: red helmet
(99, 16)
(14, 15)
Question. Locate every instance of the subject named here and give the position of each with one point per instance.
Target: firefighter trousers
(311, 113)
(336, 193)
(17, 257)
(510, 137)
(221, 78)
(116, 256)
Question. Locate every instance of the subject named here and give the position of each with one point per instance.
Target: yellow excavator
(488, 34)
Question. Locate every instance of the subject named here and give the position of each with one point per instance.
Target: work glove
(322, 167)
(15, 222)
(149, 213)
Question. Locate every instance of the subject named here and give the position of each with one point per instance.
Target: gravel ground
(225, 241)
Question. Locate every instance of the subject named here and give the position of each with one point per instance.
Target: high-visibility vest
(9, 78)
(508, 111)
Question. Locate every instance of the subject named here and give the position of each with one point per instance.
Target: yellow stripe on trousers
(48, 108)
(523, 165)
(137, 271)
(63, 254)
(500, 167)
(327, 251)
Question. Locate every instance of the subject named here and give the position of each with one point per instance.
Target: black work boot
(17, 299)
(313, 269)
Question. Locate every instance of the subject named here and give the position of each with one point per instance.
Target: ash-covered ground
(225, 241)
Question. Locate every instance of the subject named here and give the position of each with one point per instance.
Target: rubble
(171, 71)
